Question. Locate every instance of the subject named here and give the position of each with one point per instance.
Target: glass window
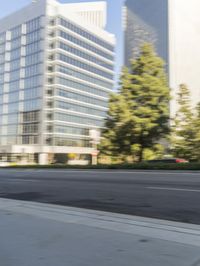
(33, 36)
(79, 109)
(80, 86)
(81, 98)
(61, 141)
(13, 97)
(85, 45)
(16, 32)
(31, 105)
(31, 82)
(16, 43)
(85, 66)
(14, 54)
(86, 77)
(33, 24)
(84, 55)
(32, 93)
(71, 130)
(86, 34)
(79, 119)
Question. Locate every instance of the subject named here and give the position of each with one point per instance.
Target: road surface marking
(174, 189)
(111, 171)
(17, 180)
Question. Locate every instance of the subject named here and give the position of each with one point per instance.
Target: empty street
(157, 194)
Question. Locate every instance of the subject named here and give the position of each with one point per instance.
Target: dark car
(168, 160)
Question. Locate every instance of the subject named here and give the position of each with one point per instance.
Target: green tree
(138, 115)
(195, 127)
(182, 130)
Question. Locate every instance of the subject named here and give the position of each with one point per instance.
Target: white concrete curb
(153, 228)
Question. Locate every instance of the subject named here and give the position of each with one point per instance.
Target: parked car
(169, 160)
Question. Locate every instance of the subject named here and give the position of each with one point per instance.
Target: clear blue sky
(114, 20)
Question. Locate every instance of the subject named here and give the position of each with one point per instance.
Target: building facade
(173, 27)
(56, 74)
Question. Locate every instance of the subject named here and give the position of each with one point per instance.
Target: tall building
(173, 27)
(56, 74)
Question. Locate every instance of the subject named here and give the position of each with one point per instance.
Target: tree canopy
(138, 116)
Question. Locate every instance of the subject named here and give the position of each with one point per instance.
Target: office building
(173, 26)
(56, 74)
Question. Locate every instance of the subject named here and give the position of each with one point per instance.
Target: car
(168, 160)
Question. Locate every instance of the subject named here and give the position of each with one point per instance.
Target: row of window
(71, 130)
(16, 43)
(85, 45)
(32, 54)
(80, 86)
(61, 141)
(9, 119)
(81, 98)
(33, 24)
(32, 93)
(32, 70)
(32, 105)
(2, 68)
(30, 128)
(16, 32)
(33, 59)
(2, 48)
(30, 139)
(86, 77)
(12, 129)
(2, 58)
(14, 75)
(85, 66)
(29, 105)
(28, 117)
(79, 119)
(15, 54)
(13, 86)
(84, 55)
(13, 97)
(33, 36)
(1, 78)
(8, 140)
(86, 34)
(31, 82)
(33, 47)
(2, 37)
(80, 109)
(13, 107)
(15, 64)
(1, 88)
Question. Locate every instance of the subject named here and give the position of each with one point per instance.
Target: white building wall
(184, 48)
(90, 18)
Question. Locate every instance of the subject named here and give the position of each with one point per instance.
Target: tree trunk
(141, 155)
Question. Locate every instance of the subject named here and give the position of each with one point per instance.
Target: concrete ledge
(153, 228)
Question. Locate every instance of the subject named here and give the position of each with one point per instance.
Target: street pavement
(164, 195)
(49, 235)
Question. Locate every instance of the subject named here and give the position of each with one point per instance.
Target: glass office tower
(56, 74)
(173, 27)
(146, 21)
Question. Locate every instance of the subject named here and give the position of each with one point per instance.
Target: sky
(114, 24)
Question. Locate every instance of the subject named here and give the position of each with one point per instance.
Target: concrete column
(43, 159)
(94, 159)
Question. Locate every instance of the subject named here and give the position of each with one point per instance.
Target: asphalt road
(157, 194)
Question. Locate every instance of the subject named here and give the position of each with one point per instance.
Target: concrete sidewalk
(36, 234)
